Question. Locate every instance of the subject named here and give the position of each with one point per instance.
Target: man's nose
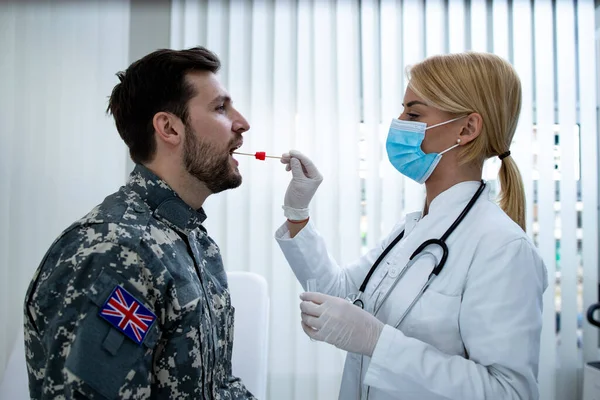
(240, 124)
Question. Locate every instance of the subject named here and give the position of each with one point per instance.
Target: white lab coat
(475, 332)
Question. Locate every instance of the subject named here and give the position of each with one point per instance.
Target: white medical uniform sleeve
(307, 254)
(500, 322)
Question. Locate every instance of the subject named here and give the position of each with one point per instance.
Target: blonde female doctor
(449, 305)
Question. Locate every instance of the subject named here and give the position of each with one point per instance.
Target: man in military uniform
(132, 301)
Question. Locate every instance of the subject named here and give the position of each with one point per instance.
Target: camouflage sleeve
(86, 355)
(235, 390)
(231, 388)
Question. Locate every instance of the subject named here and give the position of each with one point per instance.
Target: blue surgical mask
(404, 149)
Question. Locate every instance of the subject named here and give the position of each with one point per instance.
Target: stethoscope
(356, 298)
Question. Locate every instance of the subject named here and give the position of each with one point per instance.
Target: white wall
(59, 153)
(149, 30)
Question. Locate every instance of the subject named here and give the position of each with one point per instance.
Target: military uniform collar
(163, 201)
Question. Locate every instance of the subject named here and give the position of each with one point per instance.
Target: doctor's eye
(412, 116)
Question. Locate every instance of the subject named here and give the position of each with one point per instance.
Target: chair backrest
(250, 297)
(14, 385)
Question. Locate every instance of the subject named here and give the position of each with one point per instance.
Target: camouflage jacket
(132, 302)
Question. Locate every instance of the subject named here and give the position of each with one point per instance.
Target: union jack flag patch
(127, 314)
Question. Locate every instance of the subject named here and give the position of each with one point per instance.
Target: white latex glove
(306, 179)
(339, 322)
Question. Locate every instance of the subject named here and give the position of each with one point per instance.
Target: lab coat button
(393, 272)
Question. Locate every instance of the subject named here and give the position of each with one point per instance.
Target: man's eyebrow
(220, 99)
(414, 102)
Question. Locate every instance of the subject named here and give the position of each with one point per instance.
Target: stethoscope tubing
(441, 242)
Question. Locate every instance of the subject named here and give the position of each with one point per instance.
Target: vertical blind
(326, 77)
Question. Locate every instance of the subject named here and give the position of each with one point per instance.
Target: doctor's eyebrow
(412, 103)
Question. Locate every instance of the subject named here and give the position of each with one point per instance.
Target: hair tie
(504, 155)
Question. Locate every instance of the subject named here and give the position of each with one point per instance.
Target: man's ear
(168, 128)
(472, 127)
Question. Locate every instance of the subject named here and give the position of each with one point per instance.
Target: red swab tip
(260, 155)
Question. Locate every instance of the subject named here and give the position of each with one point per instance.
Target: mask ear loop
(447, 150)
(446, 122)
(453, 147)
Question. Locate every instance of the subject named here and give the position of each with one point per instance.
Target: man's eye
(221, 108)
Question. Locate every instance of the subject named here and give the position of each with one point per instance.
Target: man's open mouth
(234, 148)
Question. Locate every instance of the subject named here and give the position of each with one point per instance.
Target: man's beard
(209, 164)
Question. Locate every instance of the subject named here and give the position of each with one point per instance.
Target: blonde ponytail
(512, 193)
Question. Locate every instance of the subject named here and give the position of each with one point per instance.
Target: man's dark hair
(152, 84)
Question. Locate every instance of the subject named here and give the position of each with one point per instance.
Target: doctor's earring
(457, 141)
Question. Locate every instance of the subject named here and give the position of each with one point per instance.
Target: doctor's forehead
(411, 99)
